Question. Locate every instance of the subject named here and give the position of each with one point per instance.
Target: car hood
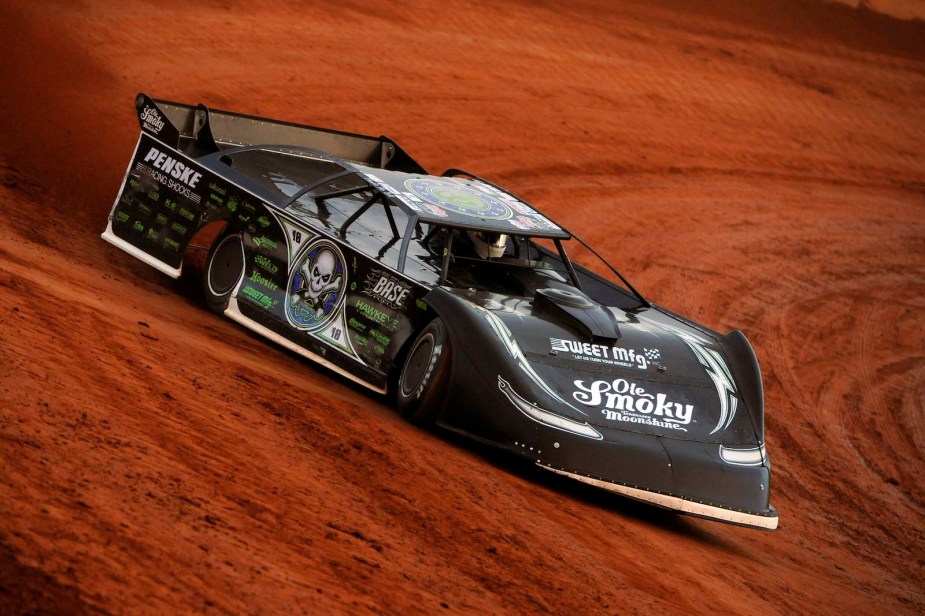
(651, 373)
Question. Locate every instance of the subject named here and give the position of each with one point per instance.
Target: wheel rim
(226, 266)
(417, 367)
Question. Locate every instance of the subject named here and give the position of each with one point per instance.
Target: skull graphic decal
(316, 285)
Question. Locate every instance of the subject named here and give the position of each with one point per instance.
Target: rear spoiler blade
(199, 130)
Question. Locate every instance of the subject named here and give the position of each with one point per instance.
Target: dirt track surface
(753, 166)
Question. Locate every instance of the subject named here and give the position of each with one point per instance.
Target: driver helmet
(488, 245)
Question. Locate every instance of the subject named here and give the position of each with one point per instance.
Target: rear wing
(170, 191)
(197, 131)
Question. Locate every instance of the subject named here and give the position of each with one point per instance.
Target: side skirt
(112, 238)
(233, 313)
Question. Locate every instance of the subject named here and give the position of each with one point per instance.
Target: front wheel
(422, 383)
(223, 271)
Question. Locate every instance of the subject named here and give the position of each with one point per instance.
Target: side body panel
(165, 199)
(356, 321)
(320, 293)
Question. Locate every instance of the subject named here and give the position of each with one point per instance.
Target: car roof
(464, 202)
(449, 200)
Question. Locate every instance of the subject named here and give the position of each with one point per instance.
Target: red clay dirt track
(751, 165)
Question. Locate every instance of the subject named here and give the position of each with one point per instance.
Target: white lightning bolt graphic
(717, 371)
(722, 380)
(507, 338)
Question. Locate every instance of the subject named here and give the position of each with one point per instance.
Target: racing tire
(224, 269)
(421, 386)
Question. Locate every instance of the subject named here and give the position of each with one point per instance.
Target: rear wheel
(422, 382)
(224, 268)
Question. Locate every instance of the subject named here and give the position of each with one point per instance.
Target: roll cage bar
(379, 196)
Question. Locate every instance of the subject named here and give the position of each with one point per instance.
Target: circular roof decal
(458, 198)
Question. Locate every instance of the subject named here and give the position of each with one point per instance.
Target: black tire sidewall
(218, 302)
(420, 402)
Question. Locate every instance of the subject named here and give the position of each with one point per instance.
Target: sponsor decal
(407, 198)
(258, 296)
(266, 263)
(603, 354)
(411, 201)
(458, 197)
(521, 209)
(516, 223)
(152, 119)
(217, 188)
(370, 312)
(263, 281)
(627, 402)
(386, 288)
(169, 182)
(265, 243)
(530, 224)
(544, 221)
(380, 338)
(173, 167)
(354, 324)
(433, 209)
(316, 286)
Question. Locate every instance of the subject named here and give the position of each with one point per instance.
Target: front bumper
(685, 476)
(766, 521)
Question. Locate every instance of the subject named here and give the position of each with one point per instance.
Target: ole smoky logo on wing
(152, 119)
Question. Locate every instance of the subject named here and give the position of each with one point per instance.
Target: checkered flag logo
(653, 355)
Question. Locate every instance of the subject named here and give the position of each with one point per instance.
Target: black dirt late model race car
(457, 296)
